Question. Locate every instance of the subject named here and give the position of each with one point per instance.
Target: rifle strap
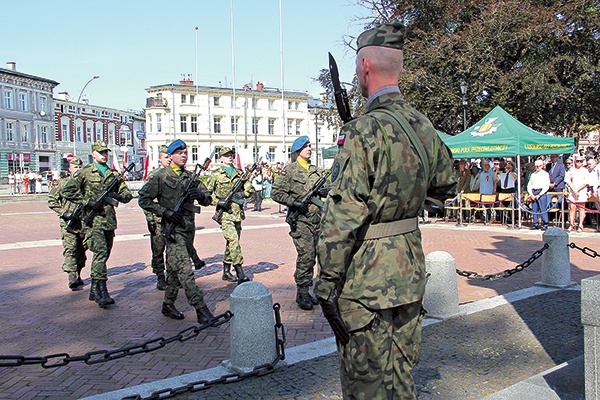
(387, 229)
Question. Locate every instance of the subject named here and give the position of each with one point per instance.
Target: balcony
(156, 102)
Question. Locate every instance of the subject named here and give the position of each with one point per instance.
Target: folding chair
(486, 202)
(471, 201)
(504, 205)
(455, 206)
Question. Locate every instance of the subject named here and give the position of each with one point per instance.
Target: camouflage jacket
(378, 177)
(220, 184)
(150, 216)
(293, 183)
(163, 191)
(87, 184)
(57, 203)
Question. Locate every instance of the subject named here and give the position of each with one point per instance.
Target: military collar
(380, 92)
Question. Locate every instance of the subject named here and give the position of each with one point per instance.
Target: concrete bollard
(556, 263)
(253, 340)
(441, 291)
(590, 318)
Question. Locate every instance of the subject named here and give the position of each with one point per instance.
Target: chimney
(11, 65)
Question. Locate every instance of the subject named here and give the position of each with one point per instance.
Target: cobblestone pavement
(40, 316)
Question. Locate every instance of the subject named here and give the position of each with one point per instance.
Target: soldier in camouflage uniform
(74, 251)
(157, 241)
(159, 196)
(372, 276)
(295, 181)
(85, 187)
(220, 183)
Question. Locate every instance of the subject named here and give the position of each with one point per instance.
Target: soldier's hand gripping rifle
(74, 219)
(186, 192)
(294, 212)
(110, 190)
(341, 96)
(225, 203)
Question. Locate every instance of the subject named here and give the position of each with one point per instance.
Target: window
(183, 98)
(65, 132)
(296, 105)
(217, 124)
(44, 134)
(254, 102)
(25, 133)
(99, 129)
(194, 123)
(271, 104)
(23, 101)
(97, 114)
(88, 133)
(271, 154)
(111, 135)
(183, 122)
(254, 153)
(194, 155)
(158, 123)
(149, 123)
(192, 99)
(271, 126)
(298, 121)
(215, 100)
(9, 131)
(8, 99)
(254, 125)
(79, 133)
(289, 126)
(289, 105)
(43, 104)
(234, 124)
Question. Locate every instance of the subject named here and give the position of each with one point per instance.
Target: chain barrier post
(556, 263)
(441, 291)
(590, 318)
(253, 340)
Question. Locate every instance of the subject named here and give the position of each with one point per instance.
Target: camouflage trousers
(377, 362)
(180, 272)
(73, 251)
(158, 245)
(305, 240)
(100, 243)
(233, 251)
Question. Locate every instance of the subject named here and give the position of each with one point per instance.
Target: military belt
(387, 229)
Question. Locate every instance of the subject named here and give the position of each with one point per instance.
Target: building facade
(262, 123)
(26, 122)
(76, 130)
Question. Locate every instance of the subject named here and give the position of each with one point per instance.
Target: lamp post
(463, 90)
(75, 118)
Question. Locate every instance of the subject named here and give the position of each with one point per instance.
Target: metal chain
(586, 250)
(507, 272)
(204, 384)
(100, 356)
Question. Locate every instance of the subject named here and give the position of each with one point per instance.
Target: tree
(538, 59)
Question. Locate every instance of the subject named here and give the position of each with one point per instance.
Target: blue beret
(176, 145)
(300, 143)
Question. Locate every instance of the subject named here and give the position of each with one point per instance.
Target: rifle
(293, 213)
(110, 187)
(74, 221)
(341, 96)
(237, 187)
(185, 195)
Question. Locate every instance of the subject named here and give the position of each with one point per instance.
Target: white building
(262, 123)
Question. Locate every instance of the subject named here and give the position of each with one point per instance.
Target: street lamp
(463, 90)
(75, 118)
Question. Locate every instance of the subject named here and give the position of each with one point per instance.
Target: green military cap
(227, 150)
(99, 146)
(76, 161)
(163, 148)
(386, 35)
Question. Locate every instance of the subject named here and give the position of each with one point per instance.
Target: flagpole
(282, 81)
(233, 75)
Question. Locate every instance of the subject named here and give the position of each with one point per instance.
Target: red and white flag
(146, 166)
(115, 163)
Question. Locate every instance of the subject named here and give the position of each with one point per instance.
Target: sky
(134, 44)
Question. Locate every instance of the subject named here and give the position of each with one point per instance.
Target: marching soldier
(74, 251)
(220, 183)
(371, 264)
(295, 181)
(159, 196)
(157, 241)
(85, 187)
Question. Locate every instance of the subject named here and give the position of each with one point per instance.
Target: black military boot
(204, 314)
(104, 299)
(313, 300)
(161, 283)
(79, 280)
(303, 299)
(241, 277)
(170, 311)
(199, 263)
(94, 291)
(73, 284)
(227, 275)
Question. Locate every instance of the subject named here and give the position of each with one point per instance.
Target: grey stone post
(556, 264)
(441, 292)
(590, 318)
(253, 341)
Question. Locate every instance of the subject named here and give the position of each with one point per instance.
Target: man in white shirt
(538, 185)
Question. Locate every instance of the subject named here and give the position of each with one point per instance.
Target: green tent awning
(499, 134)
(330, 152)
